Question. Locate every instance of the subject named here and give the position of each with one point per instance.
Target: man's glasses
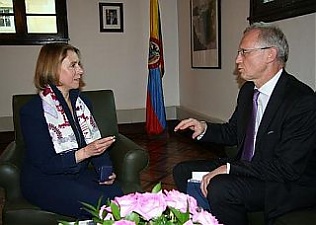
(244, 51)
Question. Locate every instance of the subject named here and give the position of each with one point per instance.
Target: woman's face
(71, 72)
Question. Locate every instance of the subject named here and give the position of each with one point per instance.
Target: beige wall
(118, 60)
(211, 93)
(115, 61)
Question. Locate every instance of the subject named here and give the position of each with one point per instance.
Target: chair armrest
(10, 173)
(129, 159)
(8, 152)
(10, 180)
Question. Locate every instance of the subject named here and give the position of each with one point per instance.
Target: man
(111, 17)
(279, 174)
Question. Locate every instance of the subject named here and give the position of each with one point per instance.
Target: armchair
(129, 160)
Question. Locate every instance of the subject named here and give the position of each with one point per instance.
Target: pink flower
(189, 222)
(150, 205)
(108, 216)
(124, 222)
(104, 212)
(204, 218)
(180, 201)
(127, 203)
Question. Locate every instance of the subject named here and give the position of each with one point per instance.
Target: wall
(115, 61)
(118, 60)
(211, 93)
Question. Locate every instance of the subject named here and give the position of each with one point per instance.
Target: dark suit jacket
(285, 152)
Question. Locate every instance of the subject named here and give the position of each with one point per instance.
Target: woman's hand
(95, 148)
(98, 146)
(110, 181)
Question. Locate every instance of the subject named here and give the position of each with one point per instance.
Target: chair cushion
(300, 217)
(32, 217)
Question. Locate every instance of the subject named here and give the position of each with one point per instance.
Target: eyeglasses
(244, 51)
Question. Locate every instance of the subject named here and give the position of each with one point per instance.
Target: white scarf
(59, 128)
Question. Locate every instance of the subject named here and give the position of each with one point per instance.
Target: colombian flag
(155, 108)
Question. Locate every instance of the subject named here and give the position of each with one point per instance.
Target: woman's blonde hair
(48, 64)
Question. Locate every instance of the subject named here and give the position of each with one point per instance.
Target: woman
(62, 138)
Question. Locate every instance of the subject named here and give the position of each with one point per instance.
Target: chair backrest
(17, 102)
(104, 112)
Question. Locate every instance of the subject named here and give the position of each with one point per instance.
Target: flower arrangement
(155, 208)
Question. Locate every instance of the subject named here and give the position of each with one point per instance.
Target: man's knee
(181, 170)
(176, 169)
(217, 189)
(181, 173)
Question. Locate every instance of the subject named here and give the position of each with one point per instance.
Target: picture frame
(205, 24)
(273, 10)
(111, 17)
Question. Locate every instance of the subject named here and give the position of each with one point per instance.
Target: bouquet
(155, 208)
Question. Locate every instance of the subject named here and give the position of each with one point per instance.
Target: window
(28, 22)
(5, 21)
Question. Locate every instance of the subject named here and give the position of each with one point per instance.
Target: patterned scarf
(59, 128)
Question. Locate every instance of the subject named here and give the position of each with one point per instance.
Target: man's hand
(196, 126)
(206, 178)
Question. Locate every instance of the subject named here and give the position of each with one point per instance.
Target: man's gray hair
(271, 35)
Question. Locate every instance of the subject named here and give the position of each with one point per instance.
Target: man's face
(251, 57)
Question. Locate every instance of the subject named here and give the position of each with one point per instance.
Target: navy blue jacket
(55, 182)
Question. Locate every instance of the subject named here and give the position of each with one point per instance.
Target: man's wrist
(204, 131)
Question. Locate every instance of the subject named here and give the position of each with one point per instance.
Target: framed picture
(111, 17)
(205, 34)
(272, 10)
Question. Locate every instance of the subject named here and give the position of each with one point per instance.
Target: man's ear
(272, 54)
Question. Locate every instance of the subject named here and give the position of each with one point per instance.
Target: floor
(165, 152)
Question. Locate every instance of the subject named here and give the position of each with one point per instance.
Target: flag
(155, 108)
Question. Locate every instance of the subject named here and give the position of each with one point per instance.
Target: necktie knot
(255, 95)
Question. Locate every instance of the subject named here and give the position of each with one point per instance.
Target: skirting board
(183, 113)
(172, 113)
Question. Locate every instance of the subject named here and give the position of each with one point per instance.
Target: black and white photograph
(111, 17)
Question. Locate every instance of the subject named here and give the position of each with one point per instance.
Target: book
(197, 176)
